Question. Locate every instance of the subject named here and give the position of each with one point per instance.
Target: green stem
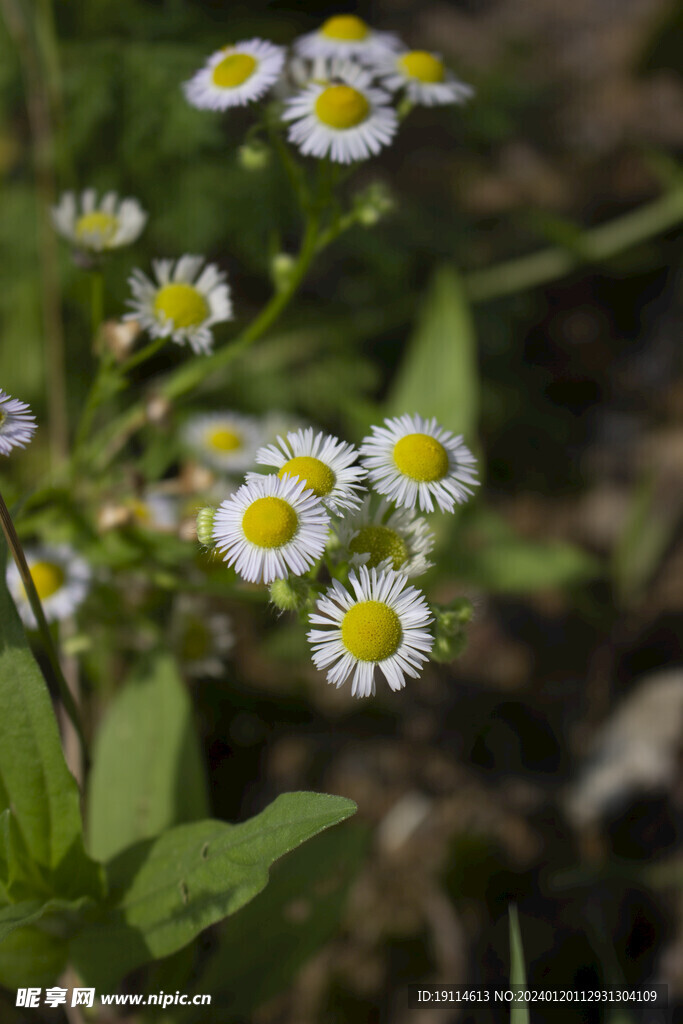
(68, 701)
(104, 365)
(192, 374)
(96, 301)
(144, 353)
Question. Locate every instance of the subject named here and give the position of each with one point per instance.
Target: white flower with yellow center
(94, 226)
(272, 526)
(186, 300)
(61, 577)
(414, 461)
(202, 638)
(345, 118)
(323, 463)
(423, 76)
(17, 423)
(154, 511)
(235, 75)
(225, 441)
(381, 625)
(391, 538)
(346, 36)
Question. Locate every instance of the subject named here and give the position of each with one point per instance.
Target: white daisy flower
(226, 441)
(323, 463)
(154, 511)
(345, 118)
(414, 461)
(203, 638)
(423, 76)
(388, 537)
(235, 75)
(94, 226)
(271, 527)
(17, 423)
(186, 300)
(346, 36)
(61, 577)
(381, 625)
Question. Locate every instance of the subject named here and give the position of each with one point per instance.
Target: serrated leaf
(165, 891)
(34, 779)
(438, 376)
(147, 769)
(262, 947)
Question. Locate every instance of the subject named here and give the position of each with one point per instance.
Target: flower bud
(293, 595)
(254, 155)
(281, 268)
(450, 636)
(205, 518)
(372, 204)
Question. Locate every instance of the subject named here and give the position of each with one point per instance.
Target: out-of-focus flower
(235, 75)
(380, 623)
(271, 527)
(323, 463)
(424, 77)
(347, 36)
(17, 423)
(186, 300)
(202, 638)
(225, 441)
(96, 227)
(346, 118)
(414, 461)
(61, 577)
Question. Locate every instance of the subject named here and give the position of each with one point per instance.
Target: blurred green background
(556, 198)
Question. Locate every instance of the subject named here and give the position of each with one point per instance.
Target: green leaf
(438, 376)
(486, 553)
(32, 939)
(263, 946)
(519, 1012)
(147, 769)
(28, 912)
(34, 779)
(166, 890)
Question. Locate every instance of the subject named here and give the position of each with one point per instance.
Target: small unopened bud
(450, 636)
(119, 336)
(205, 518)
(254, 156)
(293, 595)
(281, 269)
(373, 204)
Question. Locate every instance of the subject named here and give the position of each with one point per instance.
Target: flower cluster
(326, 507)
(341, 89)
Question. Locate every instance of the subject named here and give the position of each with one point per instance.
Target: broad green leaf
(164, 891)
(439, 374)
(147, 769)
(34, 779)
(263, 945)
(519, 1012)
(20, 915)
(486, 553)
(30, 956)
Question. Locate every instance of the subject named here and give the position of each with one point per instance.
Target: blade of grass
(519, 1012)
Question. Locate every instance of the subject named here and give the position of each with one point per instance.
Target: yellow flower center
(3, 417)
(104, 225)
(182, 304)
(346, 27)
(380, 542)
(234, 70)
(48, 578)
(340, 106)
(421, 457)
(140, 511)
(371, 631)
(423, 66)
(222, 439)
(270, 522)
(318, 477)
(196, 640)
